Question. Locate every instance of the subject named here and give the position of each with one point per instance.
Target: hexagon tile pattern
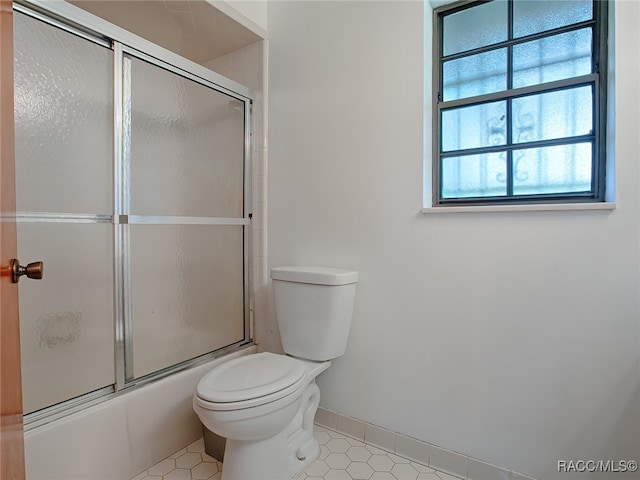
(341, 458)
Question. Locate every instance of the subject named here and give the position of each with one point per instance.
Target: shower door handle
(33, 270)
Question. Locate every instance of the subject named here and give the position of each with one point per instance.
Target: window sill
(522, 208)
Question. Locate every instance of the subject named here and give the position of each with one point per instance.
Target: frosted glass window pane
(531, 17)
(475, 27)
(63, 120)
(558, 169)
(187, 292)
(66, 319)
(187, 146)
(552, 58)
(475, 75)
(473, 127)
(474, 176)
(564, 113)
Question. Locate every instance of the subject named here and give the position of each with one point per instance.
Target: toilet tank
(314, 307)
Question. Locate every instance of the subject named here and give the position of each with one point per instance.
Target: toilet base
(282, 456)
(257, 460)
(214, 444)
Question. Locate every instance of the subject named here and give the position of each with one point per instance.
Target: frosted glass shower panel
(63, 120)
(187, 146)
(187, 292)
(66, 319)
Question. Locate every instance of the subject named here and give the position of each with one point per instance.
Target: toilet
(264, 403)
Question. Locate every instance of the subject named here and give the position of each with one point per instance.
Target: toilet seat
(250, 381)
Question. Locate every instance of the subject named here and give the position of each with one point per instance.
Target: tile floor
(341, 458)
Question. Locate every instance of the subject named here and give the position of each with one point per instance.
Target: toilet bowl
(264, 404)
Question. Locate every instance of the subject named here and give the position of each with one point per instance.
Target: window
(519, 102)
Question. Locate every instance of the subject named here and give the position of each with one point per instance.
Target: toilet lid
(250, 376)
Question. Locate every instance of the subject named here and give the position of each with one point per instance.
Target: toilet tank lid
(315, 275)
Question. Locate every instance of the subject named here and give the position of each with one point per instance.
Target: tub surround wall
(512, 338)
(121, 437)
(248, 66)
(252, 14)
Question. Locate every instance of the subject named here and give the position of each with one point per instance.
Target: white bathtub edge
(121, 437)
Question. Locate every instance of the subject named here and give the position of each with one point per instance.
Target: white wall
(510, 337)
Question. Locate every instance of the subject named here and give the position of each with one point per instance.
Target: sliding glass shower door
(64, 131)
(186, 206)
(131, 187)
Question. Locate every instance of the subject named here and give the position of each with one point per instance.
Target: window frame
(597, 80)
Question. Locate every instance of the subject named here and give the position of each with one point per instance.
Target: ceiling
(191, 28)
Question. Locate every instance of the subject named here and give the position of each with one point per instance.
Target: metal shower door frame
(125, 44)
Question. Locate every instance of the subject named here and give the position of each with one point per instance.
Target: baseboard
(438, 458)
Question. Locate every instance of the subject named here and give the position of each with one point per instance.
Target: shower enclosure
(132, 174)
